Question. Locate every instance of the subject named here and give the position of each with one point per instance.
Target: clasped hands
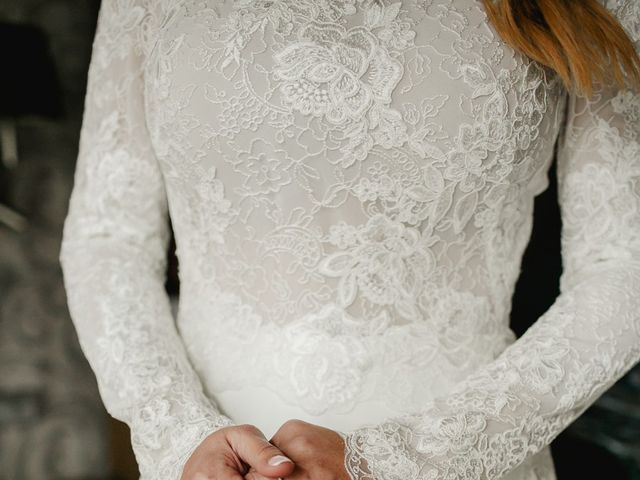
(298, 451)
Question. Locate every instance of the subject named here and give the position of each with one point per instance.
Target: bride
(351, 187)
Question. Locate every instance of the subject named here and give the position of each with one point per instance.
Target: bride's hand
(229, 453)
(318, 452)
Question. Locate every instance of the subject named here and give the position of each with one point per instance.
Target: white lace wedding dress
(351, 186)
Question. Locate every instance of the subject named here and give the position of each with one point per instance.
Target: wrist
(379, 452)
(162, 442)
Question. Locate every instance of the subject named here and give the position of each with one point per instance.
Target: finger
(297, 474)
(228, 475)
(253, 448)
(224, 466)
(254, 475)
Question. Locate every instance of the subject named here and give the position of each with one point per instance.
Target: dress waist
(326, 365)
(259, 406)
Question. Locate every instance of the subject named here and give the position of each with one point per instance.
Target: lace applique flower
(455, 434)
(462, 321)
(385, 261)
(336, 73)
(598, 211)
(265, 169)
(477, 145)
(397, 35)
(219, 213)
(149, 420)
(325, 359)
(116, 175)
(385, 446)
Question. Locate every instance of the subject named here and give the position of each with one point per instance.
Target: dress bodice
(350, 182)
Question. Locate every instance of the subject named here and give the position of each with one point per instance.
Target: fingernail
(278, 459)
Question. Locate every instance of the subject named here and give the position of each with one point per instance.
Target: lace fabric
(114, 257)
(351, 187)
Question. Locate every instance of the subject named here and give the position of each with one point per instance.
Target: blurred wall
(52, 423)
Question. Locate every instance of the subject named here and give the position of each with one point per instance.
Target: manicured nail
(278, 459)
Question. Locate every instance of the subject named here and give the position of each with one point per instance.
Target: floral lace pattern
(351, 186)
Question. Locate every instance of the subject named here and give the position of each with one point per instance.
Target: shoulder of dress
(628, 13)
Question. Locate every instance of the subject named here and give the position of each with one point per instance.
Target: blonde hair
(579, 39)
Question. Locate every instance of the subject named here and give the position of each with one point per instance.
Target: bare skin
(229, 453)
(317, 454)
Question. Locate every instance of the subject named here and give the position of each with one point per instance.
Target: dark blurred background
(52, 423)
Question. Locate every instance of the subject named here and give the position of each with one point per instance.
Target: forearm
(125, 326)
(513, 407)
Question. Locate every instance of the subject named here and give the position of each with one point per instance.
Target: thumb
(253, 448)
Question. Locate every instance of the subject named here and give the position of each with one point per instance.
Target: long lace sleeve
(113, 258)
(511, 408)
